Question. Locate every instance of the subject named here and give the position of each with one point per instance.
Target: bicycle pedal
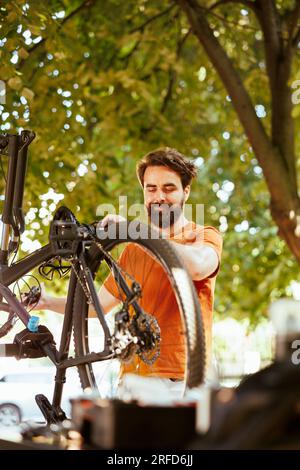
(51, 415)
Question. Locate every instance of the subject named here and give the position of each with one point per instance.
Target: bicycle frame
(10, 274)
(13, 226)
(59, 357)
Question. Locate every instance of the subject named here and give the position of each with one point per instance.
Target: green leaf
(15, 83)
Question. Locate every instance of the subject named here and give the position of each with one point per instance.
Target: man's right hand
(43, 302)
(48, 302)
(111, 219)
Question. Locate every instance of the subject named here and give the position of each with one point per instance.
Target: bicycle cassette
(136, 334)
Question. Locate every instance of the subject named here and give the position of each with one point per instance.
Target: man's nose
(160, 197)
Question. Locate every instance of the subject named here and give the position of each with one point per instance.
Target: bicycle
(77, 249)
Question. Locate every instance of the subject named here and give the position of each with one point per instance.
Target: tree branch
(296, 38)
(275, 168)
(269, 20)
(285, 204)
(294, 16)
(223, 2)
(86, 3)
(172, 72)
(234, 23)
(134, 30)
(153, 18)
(278, 62)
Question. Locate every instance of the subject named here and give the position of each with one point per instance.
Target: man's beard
(164, 215)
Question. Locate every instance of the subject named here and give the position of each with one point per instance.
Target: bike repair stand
(33, 342)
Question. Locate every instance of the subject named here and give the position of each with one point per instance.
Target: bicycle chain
(145, 356)
(150, 318)
(106, 254)
(84, 288)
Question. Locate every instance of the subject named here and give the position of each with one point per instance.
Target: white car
(18, 390)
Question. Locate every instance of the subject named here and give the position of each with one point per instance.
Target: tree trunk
(276, 154)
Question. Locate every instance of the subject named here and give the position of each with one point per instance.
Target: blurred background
(102, 83)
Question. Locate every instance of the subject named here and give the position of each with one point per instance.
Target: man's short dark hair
(169, 158)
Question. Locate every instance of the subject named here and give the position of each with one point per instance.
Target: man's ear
(187, 191)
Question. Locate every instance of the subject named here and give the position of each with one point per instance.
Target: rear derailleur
(136, 333)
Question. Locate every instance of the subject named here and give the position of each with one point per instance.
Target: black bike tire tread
(193, 322)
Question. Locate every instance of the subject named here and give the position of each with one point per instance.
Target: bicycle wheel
(163, 281)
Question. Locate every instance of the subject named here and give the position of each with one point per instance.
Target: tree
(101, 83)
(275, 150)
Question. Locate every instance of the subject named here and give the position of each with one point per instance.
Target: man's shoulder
(204, 228)
(209, 235)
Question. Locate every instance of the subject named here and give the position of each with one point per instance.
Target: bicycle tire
(185, 294)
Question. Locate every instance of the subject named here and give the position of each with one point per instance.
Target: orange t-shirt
(159, 300)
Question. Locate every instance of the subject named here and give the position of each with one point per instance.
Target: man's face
(164, 195)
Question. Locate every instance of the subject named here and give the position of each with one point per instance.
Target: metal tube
(10, 274)
(15, 304)
(5, 236)
(13, 149)
(19, 188)
(7, 215)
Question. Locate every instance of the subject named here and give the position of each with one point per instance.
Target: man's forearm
(201, 261)
(58, 304)
(55, 304)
